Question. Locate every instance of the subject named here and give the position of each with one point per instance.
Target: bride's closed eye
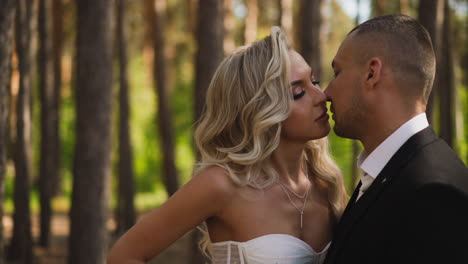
(298, 93)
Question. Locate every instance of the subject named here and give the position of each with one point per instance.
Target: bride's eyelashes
(299, 91)
(299, 95)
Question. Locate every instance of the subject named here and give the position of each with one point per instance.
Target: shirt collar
(374, 163)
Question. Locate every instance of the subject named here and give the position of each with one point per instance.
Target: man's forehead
(344, 51)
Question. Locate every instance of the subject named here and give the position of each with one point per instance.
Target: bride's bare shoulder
(217, 180)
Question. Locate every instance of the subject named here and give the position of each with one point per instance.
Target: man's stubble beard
(349, 124)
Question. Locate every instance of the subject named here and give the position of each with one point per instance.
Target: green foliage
(461, 144)
(182, 106)
(148, 200)
(341, 149)
(144, 133)
(9, 186)
(67, 134)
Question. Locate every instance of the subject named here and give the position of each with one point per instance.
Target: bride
(265, 186)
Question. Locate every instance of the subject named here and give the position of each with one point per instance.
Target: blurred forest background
(98, 99)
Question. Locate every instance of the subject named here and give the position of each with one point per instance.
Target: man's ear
(374, 71)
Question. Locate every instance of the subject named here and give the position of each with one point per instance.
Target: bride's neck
(289, 162)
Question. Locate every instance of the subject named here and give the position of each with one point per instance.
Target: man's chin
(342, 132)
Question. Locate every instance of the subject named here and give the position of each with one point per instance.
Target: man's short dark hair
(406, 46)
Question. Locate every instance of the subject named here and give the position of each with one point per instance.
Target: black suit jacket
(416, 210)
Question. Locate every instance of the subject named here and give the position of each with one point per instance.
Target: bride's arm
(204, 196)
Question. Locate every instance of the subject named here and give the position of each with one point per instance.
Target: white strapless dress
(268, 249)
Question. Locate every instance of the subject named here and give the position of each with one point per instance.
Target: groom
(411, 205)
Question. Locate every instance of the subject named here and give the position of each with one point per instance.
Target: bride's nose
(319, 96)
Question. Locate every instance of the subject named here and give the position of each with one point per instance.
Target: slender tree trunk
(251, 21)
(431, 16)
(210, 48)
(125, 207)
(91, 169)
(285, 18)
(379, 7)
(446, 81)
(464, 66)
(150, 32)
(229, 27)
(21, 243)
(209, 53)
(164, 112)
(57, 43)
(310, 44)
(384, 7)
(47, 166)
(404, 7)
(7, 13)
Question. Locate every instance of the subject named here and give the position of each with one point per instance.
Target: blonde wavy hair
(246, 103)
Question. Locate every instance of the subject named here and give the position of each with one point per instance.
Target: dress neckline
(290, 237)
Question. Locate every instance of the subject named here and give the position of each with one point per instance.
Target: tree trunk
(57, 43)
(47, 166)
(210, 48)
(209, 54)
(125, 206)
(404, 7)
(192, 16)
(251, 21)
(285, 16)
(431, 16)
(446, 81)
(169, 172)
(21, 243)
(310, 16)
(379, 7)
(229, 43)
(7, 12)
(91, 168)
(150, 32)
(383, 7)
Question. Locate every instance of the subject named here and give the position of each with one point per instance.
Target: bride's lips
(322, 117)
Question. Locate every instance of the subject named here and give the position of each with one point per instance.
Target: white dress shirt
(374, 163)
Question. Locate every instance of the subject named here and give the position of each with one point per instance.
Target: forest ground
(178, 253)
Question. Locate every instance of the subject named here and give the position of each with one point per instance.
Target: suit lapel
(350, 205)
(355, 210)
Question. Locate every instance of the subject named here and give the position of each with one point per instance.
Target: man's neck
(381, 129)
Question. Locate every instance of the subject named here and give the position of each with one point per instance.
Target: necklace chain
(301, 211)
(293, 192)
(303, 197)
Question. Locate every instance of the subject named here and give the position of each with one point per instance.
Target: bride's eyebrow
(297, 82)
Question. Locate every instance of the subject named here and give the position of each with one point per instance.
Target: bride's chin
(324, 131)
